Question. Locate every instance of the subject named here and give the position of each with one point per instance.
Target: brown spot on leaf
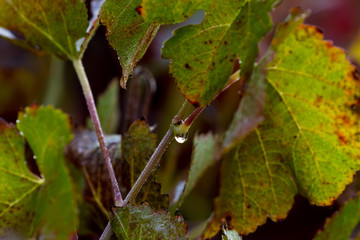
(355, 75)
(139, 10)
(341, 138)
(319, 99)
(196, 104)
(187, 65)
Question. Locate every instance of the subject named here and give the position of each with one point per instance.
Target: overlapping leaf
(204, 151)
(17, 183)
(137, 147)
(202, 56)
(250, 111)
(54, 26)
(309, 141)
(141, 222)
(45, 205)
(128, 33)
(342, 223)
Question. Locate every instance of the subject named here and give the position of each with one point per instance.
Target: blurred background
(26, 78)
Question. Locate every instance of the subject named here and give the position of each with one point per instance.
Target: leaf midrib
(300, 132)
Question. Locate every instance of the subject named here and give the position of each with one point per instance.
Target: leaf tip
(123, 81)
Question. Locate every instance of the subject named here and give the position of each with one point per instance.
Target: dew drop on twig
(181, 138)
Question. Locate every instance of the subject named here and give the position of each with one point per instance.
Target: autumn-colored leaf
(202, 56)
(85, 153)
(54, 26)
(128, 33)
(44, 205)
(141, 222)
(308, 143)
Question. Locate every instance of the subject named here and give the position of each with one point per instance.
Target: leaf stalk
(79, 68)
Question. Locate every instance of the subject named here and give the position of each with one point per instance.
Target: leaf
(85, 153)
(54, 26)
(249, 113)
(203, 156)
(18, 184)
(342, 223)
(137, 147)
(322, 131)
(108, 108)
(308, 142)
(202, 56)
(128, 33)
(44, 206)
(141, 222)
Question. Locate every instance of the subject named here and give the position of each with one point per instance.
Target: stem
(155, 158)
(181, 114)
(190, 119)
(87, 39)
(95, 119)
(149, 167)
(106, 235)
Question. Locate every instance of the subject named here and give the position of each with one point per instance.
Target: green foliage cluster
(295, 130)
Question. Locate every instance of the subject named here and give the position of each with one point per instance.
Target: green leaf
(54, 26)
(108, 108)
(203, 156)
(18, 184)
(44, 206)
(311, 86)
(137, 146)
(342, 223)
(202, 56)
(128, 33)
(309, 140)
(249, 113)
(132, 222)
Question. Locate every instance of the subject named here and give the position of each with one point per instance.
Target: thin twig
(149, 167)
(106, 235)
(88, 37)
(191, 118)
(100, 135)
(154, 158)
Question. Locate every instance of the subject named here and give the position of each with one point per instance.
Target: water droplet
(18, 121)
(34, 157)
(21, 133)
(181, 138)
